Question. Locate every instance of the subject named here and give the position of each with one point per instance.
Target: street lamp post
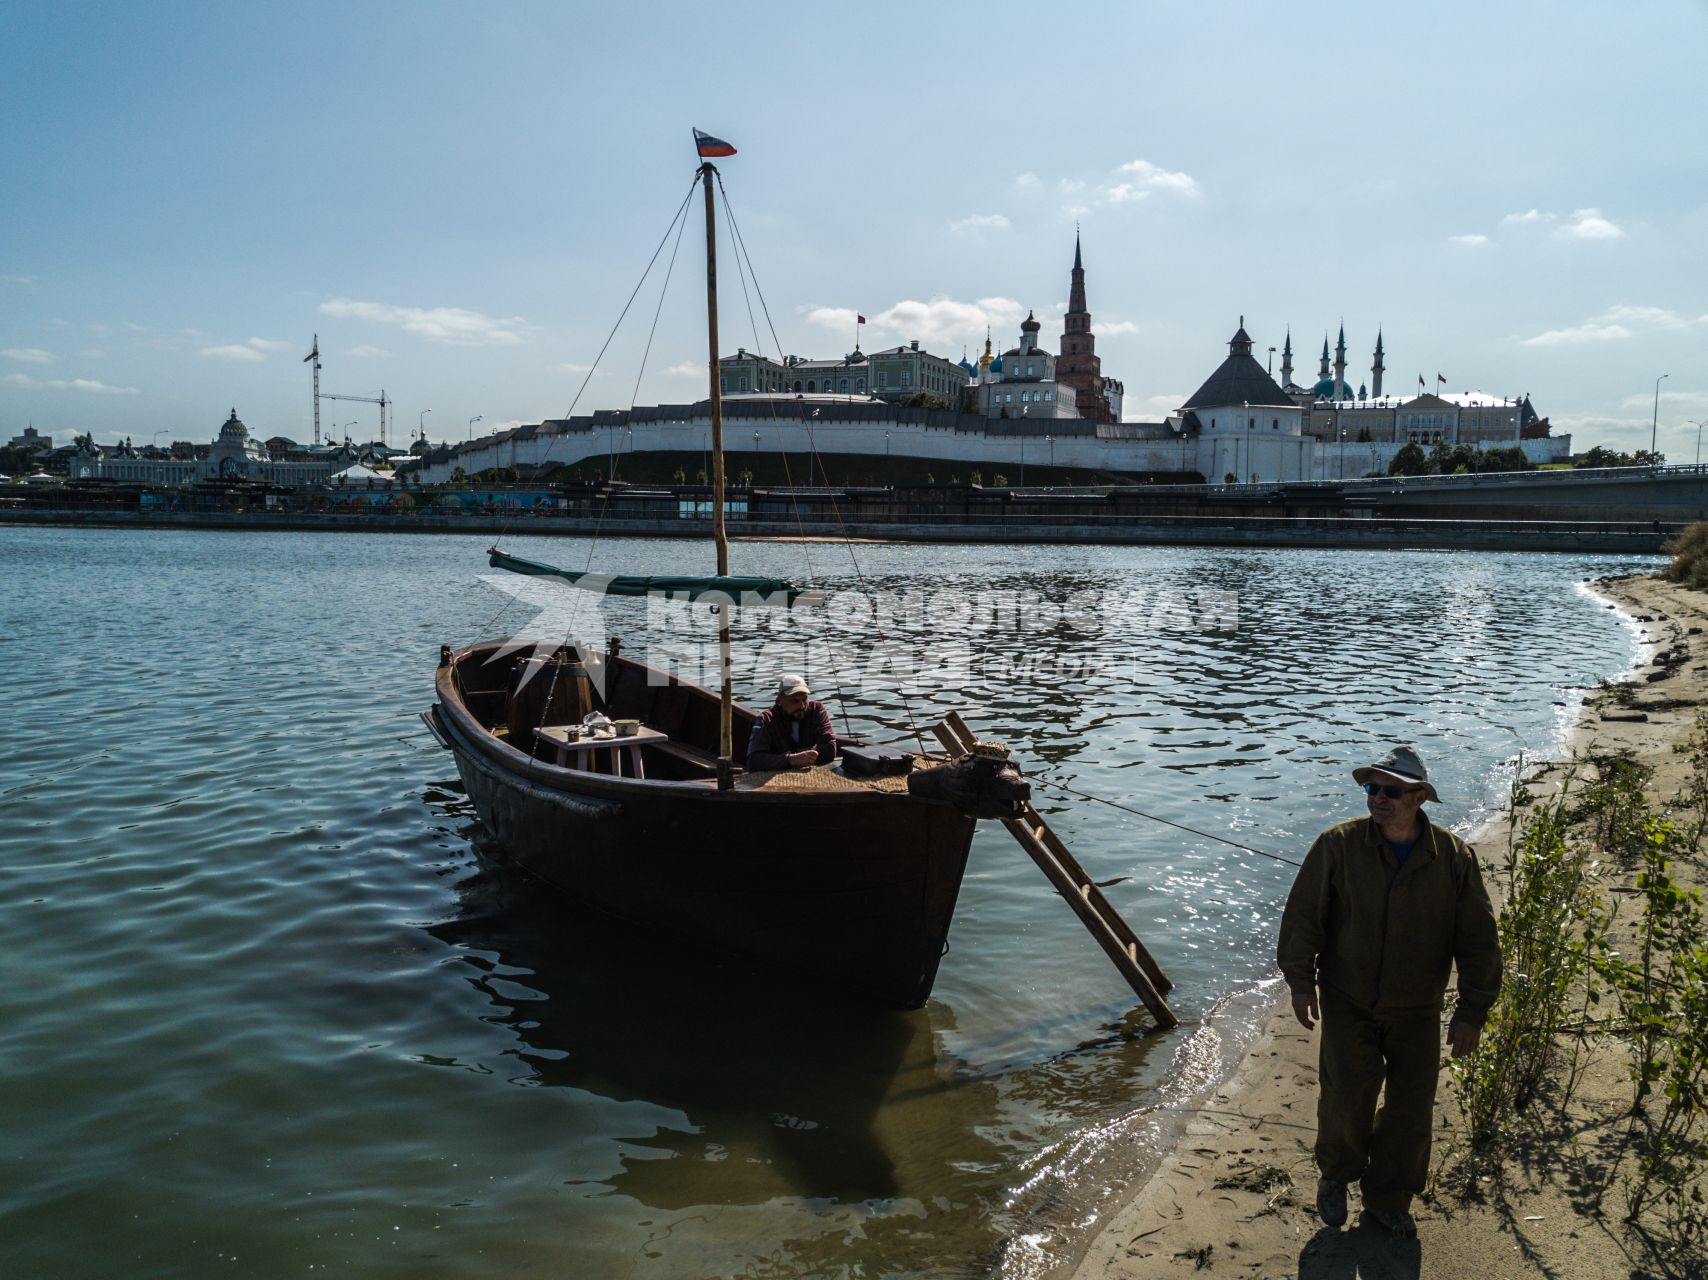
(1655, 422)
(420, 428)
(1051, 441)
(1698, 426)
(472, 421)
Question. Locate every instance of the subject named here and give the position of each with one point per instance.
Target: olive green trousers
(1360, 1057)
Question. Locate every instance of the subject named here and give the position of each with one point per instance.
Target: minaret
(1376, 369)
(1340, 366)
(1323, 372)
(1287, 359)
(1079, 366)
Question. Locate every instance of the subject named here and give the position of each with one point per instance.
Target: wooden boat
(853, 880)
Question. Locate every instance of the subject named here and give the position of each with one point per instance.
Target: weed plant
(1689, 552)
(1554, 932)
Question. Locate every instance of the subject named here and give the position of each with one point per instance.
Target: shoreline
(1220, 1200)
(1384, 532)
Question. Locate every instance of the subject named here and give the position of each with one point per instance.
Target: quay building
(233, 455)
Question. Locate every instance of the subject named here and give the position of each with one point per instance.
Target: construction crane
(315, 356)
(327, 395)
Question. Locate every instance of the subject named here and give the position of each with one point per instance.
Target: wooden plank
(945, 735)
(1118, 925)
(1071, 880)
(1096, 923)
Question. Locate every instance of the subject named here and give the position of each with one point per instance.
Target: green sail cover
(736, 588)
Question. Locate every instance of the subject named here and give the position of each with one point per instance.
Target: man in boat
(1380, 911)
(794, 733)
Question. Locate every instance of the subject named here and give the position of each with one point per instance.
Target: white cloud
(1689, 401)
(22, 281)
(89, 385)
(1468, 242)
(1140, 178)
(98, 328)
(28, 355)
(270, 344)
(687, 369)
(979, 222)
(1525, 218)
(569, 366)
(236, 354)
(1589, 331)
(1168, 399)
(1588, 224)
(1113, 328)
(369, 353)
(1028, 181)
(943, 321)
(437, 324)
(1614, 325)
(835, 319)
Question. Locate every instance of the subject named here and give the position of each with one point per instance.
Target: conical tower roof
(1239, 380)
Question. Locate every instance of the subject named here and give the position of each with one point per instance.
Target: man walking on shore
(1381, 909)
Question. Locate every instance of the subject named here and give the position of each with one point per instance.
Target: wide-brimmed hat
(792, 684)
(1401, 764)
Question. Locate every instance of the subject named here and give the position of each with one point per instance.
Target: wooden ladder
(1113, 934)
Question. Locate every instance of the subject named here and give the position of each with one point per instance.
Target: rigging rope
(813, 455)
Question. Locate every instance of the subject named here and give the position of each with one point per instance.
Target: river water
(272, 1008)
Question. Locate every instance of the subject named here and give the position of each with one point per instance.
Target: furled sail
(739, 590)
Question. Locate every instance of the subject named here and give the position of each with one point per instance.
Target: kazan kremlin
(993, 414)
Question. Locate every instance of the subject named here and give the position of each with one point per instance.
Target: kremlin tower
(1079, 366)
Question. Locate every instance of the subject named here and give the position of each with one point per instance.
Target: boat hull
(856, 888)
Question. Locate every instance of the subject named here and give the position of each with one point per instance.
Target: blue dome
(996, 365)
(1324, 390)
(967, 365)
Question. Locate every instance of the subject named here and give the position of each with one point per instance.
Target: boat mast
(726, 753)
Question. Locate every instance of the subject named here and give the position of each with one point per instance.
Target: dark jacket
(1383, 936)
(774, 737)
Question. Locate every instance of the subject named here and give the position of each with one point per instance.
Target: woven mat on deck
(821, 777)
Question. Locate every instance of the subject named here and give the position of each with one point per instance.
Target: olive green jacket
(1383, 936)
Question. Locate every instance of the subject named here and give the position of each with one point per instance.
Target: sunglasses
(1388, 789)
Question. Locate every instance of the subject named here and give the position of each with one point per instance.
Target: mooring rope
(1178, 826)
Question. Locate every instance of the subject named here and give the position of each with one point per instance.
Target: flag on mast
(859, 319)
(711, 148)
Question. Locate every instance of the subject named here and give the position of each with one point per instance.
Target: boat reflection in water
(780, 1089)
(728, 1116)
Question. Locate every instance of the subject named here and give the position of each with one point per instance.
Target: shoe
(1397, 1222)
(1331, 1202)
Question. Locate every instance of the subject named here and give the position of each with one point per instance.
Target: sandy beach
(1235, 1197)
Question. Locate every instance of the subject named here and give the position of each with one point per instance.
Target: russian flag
(711, 148)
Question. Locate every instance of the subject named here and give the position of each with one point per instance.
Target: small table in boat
(576, 753)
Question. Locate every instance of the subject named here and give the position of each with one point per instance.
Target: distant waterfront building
(32, 439)
(895, 374)
(1022, 382)
(1246, 425)
(233, 455)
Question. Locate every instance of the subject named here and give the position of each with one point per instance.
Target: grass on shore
(1582, 982)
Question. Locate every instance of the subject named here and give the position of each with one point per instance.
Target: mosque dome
(1324, 390)
(233, 429)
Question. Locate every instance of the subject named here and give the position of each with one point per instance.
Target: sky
(459, 200)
